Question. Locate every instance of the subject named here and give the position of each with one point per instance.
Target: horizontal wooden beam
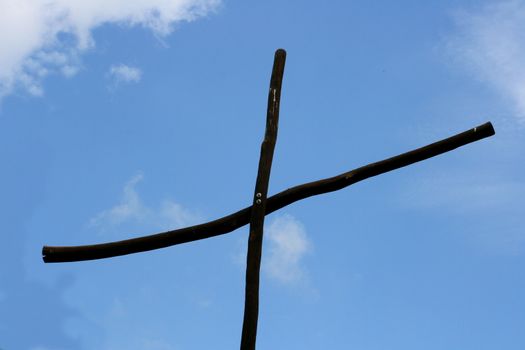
(242, 217)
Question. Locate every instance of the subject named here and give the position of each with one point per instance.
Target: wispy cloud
(42, 37)
(464, 195)
(490, 42)
(173, 214)
(287, 246)
(125, 331)
(122, 73)
(491, 209)
(131, 209)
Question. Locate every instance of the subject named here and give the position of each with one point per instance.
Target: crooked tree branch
(242, 217)
(258, 212)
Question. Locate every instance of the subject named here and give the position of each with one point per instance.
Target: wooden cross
(261, 205)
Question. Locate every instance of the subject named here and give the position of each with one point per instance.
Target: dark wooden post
(255, 240)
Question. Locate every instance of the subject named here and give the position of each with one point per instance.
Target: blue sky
(121, 120)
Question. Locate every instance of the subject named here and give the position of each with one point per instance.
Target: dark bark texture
(255, 239)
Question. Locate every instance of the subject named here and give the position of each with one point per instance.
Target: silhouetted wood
(240, 218)
(261, 205)
(255, 239)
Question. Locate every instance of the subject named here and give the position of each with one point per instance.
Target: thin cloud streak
(494, 205)
(132, 210)
(130, 207)
(490, 43)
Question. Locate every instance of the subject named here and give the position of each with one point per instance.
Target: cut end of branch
(280, 53)
(485, 130)
(45, 252)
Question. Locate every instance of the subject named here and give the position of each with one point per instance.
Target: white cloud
(287, 246)
(38, 37)
(490, 42)
(122, 73)
(131, 209)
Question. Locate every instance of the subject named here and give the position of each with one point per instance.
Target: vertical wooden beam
(253, 264)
